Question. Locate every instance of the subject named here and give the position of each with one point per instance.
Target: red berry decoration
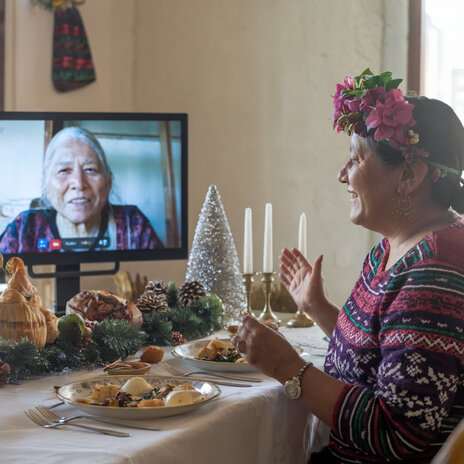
(178, 337)
(4, 373)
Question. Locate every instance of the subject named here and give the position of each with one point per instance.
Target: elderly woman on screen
(76, 184)
(392, 389)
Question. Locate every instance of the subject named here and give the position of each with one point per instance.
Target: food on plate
(219, 351)
(138, 393)
(152, 354)
(179, 397)
(127, 367)
(102, 393)
(151, 403)
(97, 305)
(137, 386)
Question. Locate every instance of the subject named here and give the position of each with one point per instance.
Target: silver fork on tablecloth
(179, 373)
(43, 422)
(63, 420)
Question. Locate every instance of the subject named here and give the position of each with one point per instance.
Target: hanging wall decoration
(72, 65)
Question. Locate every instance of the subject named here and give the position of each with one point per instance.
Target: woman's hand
(303, 281)
(272, 354)
(267, 350)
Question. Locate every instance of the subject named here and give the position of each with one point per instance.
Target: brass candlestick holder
(248, 283)
(267, 313)
(301, 319)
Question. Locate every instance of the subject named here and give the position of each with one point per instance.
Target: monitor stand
(67, 281)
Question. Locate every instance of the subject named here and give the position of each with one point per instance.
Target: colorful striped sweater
(399, 345)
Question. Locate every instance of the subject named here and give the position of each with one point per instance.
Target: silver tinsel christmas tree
(213, 258)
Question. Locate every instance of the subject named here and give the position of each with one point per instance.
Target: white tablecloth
(245, 425)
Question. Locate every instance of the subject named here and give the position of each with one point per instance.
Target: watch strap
(302, 371)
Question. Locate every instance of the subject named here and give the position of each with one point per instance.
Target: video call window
(144, 157)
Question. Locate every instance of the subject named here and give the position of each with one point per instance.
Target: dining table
(244, 424)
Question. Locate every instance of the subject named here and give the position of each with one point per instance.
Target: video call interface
(145, 161)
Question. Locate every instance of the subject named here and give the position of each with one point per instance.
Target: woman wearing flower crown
(393, 382)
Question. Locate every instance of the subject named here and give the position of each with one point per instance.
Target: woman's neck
(66, 228)
(411, 231)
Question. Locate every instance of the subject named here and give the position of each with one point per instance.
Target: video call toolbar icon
(55, 244)
(104, 242)
(42, 244)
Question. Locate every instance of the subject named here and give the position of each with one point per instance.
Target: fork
(179, 373)
(63, 420)
(43, 422)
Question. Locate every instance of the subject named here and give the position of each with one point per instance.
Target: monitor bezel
(72, 258)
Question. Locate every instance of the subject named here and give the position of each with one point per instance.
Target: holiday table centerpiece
(99, 327)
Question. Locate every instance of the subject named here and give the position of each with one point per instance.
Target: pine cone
(156, 287)
(190, 292)
(149, 302)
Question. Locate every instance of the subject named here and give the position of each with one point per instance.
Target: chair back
(452, 451)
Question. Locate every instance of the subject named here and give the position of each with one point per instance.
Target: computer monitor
(92, 187)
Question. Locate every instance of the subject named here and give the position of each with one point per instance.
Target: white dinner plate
(188, 351)
(72, 392)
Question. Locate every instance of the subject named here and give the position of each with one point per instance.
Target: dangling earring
(403, 206)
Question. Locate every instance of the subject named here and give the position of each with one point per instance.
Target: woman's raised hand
(303, 281)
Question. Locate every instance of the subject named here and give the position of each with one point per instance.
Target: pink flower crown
(373, 102)
(368, 102)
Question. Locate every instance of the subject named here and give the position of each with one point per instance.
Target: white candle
(248, 244)
(267, 255)
(302, 235)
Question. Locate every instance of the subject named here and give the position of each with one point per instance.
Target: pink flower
(368, 102)
(391, 118)
(344, 105)
(339, 98)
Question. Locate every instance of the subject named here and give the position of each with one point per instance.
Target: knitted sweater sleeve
(421, 342)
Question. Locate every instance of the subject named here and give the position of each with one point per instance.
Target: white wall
(255, 77)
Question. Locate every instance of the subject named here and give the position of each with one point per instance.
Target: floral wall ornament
(72, 65)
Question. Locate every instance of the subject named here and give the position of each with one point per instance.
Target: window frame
(2, 54)
(415, 49)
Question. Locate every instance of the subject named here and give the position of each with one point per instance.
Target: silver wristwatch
(292, 387)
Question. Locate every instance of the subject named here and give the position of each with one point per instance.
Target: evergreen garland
(197, 319)
(184, 320)
(117, 339)
(23, 358)
(157, 328)
(114, 339)
(172, 295)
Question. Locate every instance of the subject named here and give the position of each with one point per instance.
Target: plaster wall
(255, 77)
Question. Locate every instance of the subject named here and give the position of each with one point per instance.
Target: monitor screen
(93, 187)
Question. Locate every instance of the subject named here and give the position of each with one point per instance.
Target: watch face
(292, 389)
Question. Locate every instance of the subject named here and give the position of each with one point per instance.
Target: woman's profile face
(371, 185)
(76, 185)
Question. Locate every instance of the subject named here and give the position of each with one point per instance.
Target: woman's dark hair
(441, 134)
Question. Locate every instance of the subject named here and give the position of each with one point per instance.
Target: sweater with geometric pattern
(399, 345)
